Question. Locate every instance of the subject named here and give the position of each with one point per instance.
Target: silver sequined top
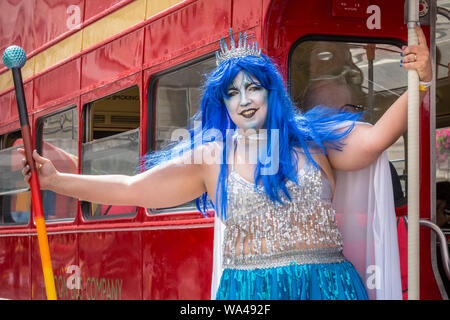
(260, 233)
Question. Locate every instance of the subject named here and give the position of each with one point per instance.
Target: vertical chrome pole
(413, 162)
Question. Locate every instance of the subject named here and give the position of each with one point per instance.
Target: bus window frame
(84, 130)
(39, 143)
(151, 129)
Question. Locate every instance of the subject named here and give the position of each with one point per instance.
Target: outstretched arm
(163, 186)
(365, 143)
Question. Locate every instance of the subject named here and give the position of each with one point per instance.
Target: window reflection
(111, 145)
(15, 199)
(178, 95)
(356, 77)
(60, 144)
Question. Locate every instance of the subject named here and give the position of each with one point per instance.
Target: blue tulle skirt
(331, 281)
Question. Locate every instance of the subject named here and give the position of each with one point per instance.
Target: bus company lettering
(70, 286)
(103, 289)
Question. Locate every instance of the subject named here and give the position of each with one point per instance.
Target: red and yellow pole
(14, 58)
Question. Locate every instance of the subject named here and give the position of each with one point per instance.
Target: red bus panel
(114, 60)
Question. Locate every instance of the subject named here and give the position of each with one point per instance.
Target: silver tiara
(241, 50)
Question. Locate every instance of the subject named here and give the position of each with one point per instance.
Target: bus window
(59, 133)
(355, 76)
(15, 197)
(443, 117)
(111, 144)
(443, 132)
(178, 95)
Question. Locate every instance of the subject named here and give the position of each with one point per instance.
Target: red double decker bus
(108, 81)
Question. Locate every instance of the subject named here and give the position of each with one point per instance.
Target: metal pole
(413, 163)
(370, 52)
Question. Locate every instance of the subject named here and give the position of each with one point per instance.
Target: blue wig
(315, 129)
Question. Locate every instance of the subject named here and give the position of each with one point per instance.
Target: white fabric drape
(365, 212)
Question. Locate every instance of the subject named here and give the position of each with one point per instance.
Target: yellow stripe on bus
(114, 23)
(28, 68)
(156, 6)
(6, 80)
(58, 52)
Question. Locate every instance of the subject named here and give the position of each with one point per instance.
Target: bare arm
(365, 143)
(163, 186)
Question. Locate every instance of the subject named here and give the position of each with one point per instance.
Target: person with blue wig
(267, 171)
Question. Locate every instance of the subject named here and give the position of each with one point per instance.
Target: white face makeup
(247, 102)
